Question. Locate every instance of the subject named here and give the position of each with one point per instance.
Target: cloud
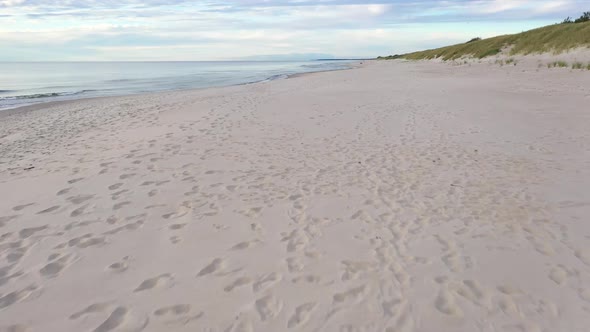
(8, 3)
(212, 29)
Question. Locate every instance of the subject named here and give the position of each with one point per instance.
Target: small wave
(322, 65)
(46, 95)
(120, 80)
(1, 91)
(277, 77)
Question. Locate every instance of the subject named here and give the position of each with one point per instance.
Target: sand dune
(392, 197)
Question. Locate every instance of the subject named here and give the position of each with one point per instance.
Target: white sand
(394, 197)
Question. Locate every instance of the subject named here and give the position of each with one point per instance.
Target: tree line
(584, 18)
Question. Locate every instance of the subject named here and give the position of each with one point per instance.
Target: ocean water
(27, 83)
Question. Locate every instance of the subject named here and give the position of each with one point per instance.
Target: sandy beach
(398, 196)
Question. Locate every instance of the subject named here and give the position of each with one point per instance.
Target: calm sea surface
(26, 83)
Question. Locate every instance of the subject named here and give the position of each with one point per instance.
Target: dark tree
(584, 18)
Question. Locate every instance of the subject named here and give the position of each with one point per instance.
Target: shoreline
(398, 196)
(37, 106)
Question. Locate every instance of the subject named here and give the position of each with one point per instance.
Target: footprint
(17, 296)
(72, 181)
(214, 266)
(310, 279)
(115, 186)
(296, 240)
(295, 264)
(119, 267)
(78, 211)
(472, 292)
(22, 207)
(391, 307)
(351, 294)
(63, 191)
(508, 290)
(120, 205)
(76, 224)
(178, 309)
(266, 281)
(252, 212)
(48, 210)
(128, 227)
(159, 281)
(5, 274)
(354, 269)
(584, 256)
(27, 232)
(181, 211)
(558, 275)
(6, 219)
(86, 240)
(14, 328)
(176, 226)
(91, 309)
(54, 268)
(245, 245)
(121, 319)
(177, 314)
(243, 324)
(268, 307)
(507, 305)
(237, 283)
(126, 176)
(445, 304)
(301, 315)
(79, 199)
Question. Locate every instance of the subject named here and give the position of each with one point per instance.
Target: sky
(183, 30)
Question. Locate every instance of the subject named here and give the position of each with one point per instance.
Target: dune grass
(577, 65)
(563, 64)
(557, 64)
(556, 38)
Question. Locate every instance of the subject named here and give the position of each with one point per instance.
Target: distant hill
(556, 38)
(287, 57)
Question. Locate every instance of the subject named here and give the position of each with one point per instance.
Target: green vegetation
(584, 18)
(555, 38)
(563, 64)
(557, 64)
(577, 65)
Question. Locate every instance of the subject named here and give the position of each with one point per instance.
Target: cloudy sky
(67, 30)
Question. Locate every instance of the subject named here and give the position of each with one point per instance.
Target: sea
(28, 83)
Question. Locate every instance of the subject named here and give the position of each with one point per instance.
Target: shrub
(577, 65)
(588, 67)
(560, 64)
(584, 18)
(490, 53)
(567, 20)
(473, 40)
